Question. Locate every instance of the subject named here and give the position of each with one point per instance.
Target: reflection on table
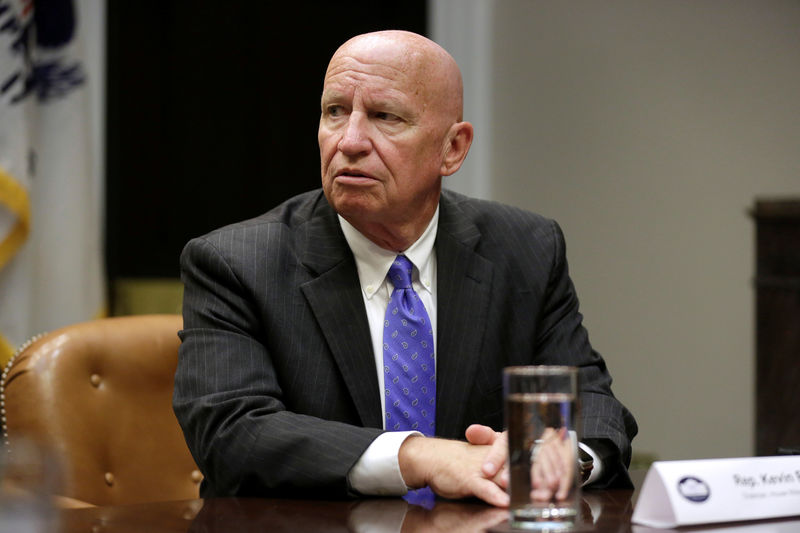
(602, 511)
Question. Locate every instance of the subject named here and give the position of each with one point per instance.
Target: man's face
(381, 138)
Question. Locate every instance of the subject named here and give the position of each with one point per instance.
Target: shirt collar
(373, 262)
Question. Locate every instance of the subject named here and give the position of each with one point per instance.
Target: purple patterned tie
(408, 360)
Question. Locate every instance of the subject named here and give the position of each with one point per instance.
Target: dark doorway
(212, 114)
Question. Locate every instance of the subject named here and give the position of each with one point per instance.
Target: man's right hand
(553, 470)
(451, 468)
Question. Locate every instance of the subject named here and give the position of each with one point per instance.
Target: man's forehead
(347, 74)
(387, 66)
(358, 68)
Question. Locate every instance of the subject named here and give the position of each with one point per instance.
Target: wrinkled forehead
(374, 81)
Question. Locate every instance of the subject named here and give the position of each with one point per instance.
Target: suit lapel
(335, 299)
(463, 297)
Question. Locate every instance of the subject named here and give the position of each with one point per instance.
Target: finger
(550, 462)
(539, 490)
(483, 435)
(564, 488)
(502, 477)
(542, 495)
(478, 434)
(569, 464)
(496, 458)
(489, 492)
(544, 478)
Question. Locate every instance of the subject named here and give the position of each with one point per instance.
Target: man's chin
(354, 202)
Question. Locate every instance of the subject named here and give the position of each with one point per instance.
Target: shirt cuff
(377, 471)
(597, 465)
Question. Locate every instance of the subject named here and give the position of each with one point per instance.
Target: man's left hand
(494, 465)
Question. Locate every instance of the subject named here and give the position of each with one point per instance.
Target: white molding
(464, 28)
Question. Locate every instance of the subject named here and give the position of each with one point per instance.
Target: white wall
(647, 129)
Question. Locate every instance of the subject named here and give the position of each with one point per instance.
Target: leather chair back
(98, 397)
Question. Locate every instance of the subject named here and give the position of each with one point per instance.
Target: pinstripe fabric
(276, 388)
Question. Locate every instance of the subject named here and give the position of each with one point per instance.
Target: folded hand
(451, 468)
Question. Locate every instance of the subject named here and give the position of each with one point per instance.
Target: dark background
(212, 113)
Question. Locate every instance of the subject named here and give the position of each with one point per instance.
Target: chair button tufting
(109, 477)
(197, 476)
(95, 380)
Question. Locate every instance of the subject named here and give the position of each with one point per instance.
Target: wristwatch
(585, 464)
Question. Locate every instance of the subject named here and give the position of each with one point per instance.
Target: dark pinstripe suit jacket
(276, 387)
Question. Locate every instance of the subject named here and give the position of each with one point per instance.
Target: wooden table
(602, 511)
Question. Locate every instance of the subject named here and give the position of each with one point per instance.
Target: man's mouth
(353, 173)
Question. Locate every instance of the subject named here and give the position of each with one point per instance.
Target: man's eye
(389, 117)
(334, 110)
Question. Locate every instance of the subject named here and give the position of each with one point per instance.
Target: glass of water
(541, 418)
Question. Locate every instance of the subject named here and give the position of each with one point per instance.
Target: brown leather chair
(98, 397)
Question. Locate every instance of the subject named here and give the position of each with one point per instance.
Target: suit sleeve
(230, 403)
(607, 425)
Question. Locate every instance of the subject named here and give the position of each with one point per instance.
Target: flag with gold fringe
(51, 186)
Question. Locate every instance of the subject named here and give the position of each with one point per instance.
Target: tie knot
(400, 272)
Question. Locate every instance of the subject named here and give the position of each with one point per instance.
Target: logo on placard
(693, 489)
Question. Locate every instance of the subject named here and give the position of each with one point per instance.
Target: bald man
(281, 386)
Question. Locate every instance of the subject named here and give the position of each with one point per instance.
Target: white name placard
(682, 493)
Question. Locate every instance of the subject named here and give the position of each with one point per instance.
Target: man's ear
(457, 143)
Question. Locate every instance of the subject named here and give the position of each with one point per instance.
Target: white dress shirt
(377, 471)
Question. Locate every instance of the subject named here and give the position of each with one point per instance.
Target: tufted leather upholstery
(98, 397)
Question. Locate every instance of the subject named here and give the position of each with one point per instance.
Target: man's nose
(355, 139)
